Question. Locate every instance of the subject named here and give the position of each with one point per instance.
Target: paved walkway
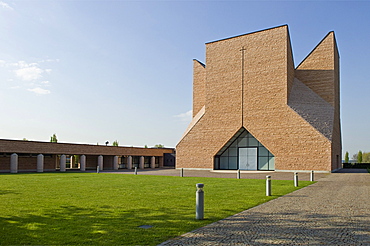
(333, 211)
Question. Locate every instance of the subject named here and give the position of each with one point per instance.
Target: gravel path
(333, 211)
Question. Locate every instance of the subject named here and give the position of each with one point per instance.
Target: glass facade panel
(229, 157)
(242, 142)
(233, 152)
(224, 162)
(234, 144)
(252, 142)
(263, 163)
(272, 163)
(263, 151)
(233, 162)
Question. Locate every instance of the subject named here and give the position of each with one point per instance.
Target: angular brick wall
(260, 93)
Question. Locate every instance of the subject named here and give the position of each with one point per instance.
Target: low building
(20, 156)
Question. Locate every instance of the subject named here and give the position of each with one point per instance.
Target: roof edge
(267, 29)
(201, 63)
(322, 40)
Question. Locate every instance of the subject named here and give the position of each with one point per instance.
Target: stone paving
(333, 211)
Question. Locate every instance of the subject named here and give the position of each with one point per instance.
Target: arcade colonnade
(64, 162)
(19, 156)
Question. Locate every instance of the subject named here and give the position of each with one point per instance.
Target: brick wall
(254, 94)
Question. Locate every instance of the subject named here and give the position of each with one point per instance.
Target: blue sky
(92, 71)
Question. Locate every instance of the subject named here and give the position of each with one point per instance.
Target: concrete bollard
(135, 170)
(311, 176)
(14, 163)
(97, 169)
(238, 174)
(199, 202)
(182, 172)
(296, 179)
(268, 185)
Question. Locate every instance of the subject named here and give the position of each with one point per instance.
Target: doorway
(248, 158)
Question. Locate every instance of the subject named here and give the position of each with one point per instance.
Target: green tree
(159, 146)
(25, 139)
(115, 143)
(359, 157)
(346, 158)
(146, 146)
(366, 157)
(53, 138)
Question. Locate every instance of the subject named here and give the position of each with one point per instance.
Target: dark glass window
(228, 157)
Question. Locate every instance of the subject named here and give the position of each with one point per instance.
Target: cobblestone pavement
(333, 211)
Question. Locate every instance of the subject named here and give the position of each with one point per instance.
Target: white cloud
(5, 5)
(187, 116)
(29, 73)
(39, 90)
(50, 60)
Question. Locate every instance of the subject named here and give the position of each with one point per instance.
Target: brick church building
(253, 109)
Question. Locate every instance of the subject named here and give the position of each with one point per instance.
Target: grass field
(107, 209)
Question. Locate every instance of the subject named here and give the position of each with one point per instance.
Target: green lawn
(107, 209)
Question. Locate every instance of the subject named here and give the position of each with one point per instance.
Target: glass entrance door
(248, 158)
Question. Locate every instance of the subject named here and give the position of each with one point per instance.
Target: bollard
(182, 172)
(135, 170)
(311, 176)
(199, 203)
(97, 169)
(296, 179)
(238, 174)
(268, 185)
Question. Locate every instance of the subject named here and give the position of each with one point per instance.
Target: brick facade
(250, 82)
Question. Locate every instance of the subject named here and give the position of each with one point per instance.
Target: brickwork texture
(250, 81)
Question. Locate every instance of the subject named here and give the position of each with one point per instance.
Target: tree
(25, 139)
(146, 146)
(53, 139)
(359, 157)
(115, 143)
(346, 158)
(366, 157)
(159, 146)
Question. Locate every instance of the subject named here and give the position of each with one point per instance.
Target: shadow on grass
(5, 192)
(99, 226)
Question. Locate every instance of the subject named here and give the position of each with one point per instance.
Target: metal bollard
(199, 203)
(296, 179)
(135, 170)
(97, 169)
(238, 174)
(268, 185)
(311, 176)
(182, 172)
